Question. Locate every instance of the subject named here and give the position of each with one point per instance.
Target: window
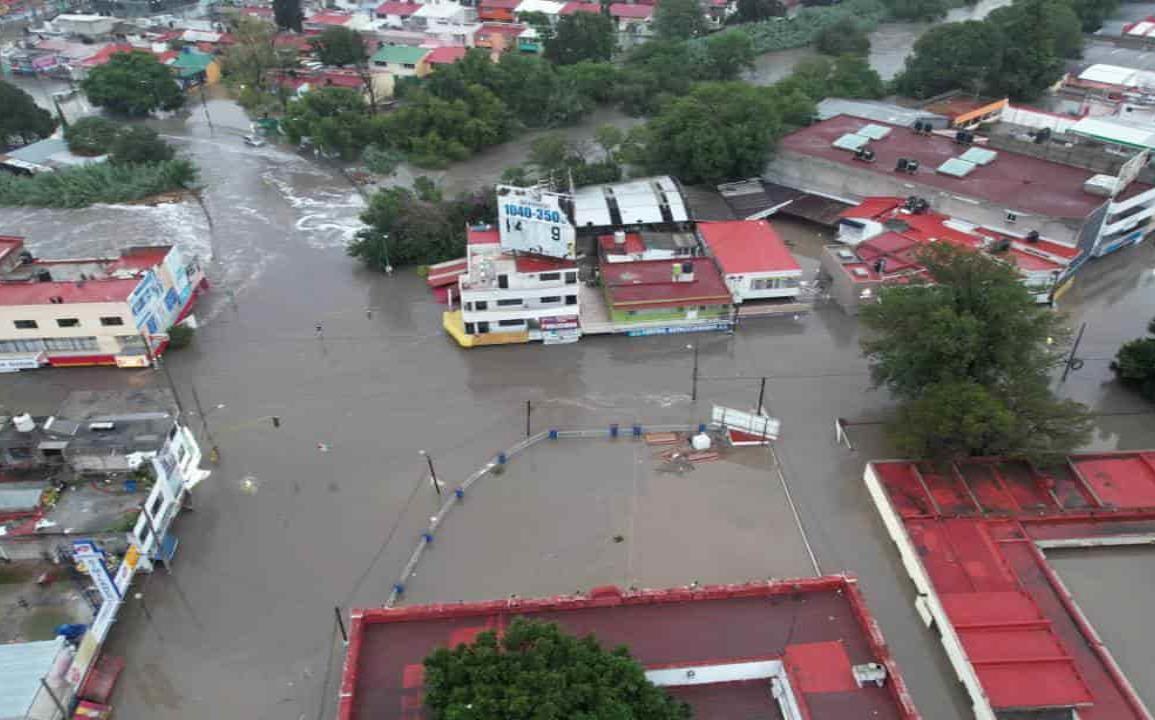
(571, 299)
(69, 344)
(510, 323)
(551, 299)
(410, 66)
(111, 321)
(510, 302)
(67, 322)
(546, 277)
(29, 345)
(467, 307)
(503, 281)
(571, 278)
(481, 305)
(469, 328)
(25, 324)
(155, 506)
(482, 328)
(1011, 217)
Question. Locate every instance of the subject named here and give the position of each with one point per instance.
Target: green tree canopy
(92, 135)
(728, 54)
(1134, 364)
(133, 84)
(535, 671)
(679, 19)
(748, 11)
(1039, 34)
(963, 55)
(843, 37)
(137, 144)
(404, 227)
(1092, 13)
(335, 119)
(340, 46)
(581, 36)
(972, 349)
(287, 14)
(22, 120)
(918, 9)
(847, 76)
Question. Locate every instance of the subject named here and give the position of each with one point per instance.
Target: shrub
(97, 183)
(139, 144)
(180, 336)
(91, 136)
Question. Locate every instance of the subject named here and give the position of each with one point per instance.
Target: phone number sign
(532, 221)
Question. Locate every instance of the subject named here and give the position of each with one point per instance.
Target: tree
(719, 131)
(918, 9)
(748, 11)
(1092, 13)
(581, 36)
(847, 76)
(844, 37)
(536, 671)
(679, 20)
(382, 160)
(728, 54)
(972, 349)
(1039, 34)
(92, 135)
(287, 14)
(137, 144)
(963, 55)
(340, 46)
(133, 84)
(1134, 364)
(609, 138)
(404, 227)
(335, 119)
(22, 120)
(253, 52)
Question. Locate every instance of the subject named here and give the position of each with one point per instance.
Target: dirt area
(31, 610)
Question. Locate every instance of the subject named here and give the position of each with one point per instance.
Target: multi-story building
(92, 311)
(507, 298)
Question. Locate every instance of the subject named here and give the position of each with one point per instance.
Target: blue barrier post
(427, 537)
(701, 427)
(637, 430)
(501, 458)
(399, 588)
(613, 430)
(553, 434)
(459, 493)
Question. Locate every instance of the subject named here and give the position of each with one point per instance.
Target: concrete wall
(844, 290)
(851, 184)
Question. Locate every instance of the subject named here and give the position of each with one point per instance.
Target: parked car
(254, 141)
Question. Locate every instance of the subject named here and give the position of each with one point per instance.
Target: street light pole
(432, 472)
(155, 361)
(694, 378)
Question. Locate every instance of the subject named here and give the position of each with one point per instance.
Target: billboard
(534, 221)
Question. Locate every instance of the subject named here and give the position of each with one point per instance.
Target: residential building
(498, 37)
(1018, 192)
(549, 8)
(395, 13)
(193, 69)
(497, 10)
(92, 311)
(976, 537)
(89, 26)
(506, 298)
(633, 22)
(446, 55)
(754, 261)
(667, 295)
(444, 14)
(805, 648)
(882, 237)
(401, 60)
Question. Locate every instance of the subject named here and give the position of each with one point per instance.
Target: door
(503, 281)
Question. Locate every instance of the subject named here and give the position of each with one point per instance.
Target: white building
(176, 467)
(513, 299)
(754, 261)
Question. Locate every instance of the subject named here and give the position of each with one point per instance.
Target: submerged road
(284, 531)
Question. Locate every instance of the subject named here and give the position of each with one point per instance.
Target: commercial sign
(533, 221)
(28, 361)
(677, 329)
(751, 423)
(127, 568)
(92, 558)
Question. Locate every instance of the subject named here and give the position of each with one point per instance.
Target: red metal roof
(404, 9)
(445, 55)
(973, 527)
(482, 236)
(105, 53)
(329, 18)
(623, 10)
(89, 291)
(633, 245)
(650, 283)
(140, 258)
(532, 264)
(508, 29)
(1012, 181)
(747, 246)
(499, 4)
(575, 7)
(819, 627)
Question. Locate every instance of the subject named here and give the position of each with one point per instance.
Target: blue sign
(678, 329)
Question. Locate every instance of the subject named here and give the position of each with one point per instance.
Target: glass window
(111, 321)
(551, 299)
(510, 323)
(67, 322)
(481, 304)
(509, 303)
(570, 278)
(571, 299)
(25, 324)
(469, 329)
(549, 276)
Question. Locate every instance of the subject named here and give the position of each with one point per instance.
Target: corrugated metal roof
(22, 665)
(1115, 131)
(21, 496)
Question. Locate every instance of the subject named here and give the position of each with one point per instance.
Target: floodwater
(323, 511)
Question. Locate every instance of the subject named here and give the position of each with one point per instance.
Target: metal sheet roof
(874, 132)
(638, 202)
(979, 156)
(22, 665)
(1115, 131)
(956, 167)
(850, 141)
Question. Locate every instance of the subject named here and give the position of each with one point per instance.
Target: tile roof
(404, 9)
(623, 10)
(445, 55)
(747, 246)
(576, 6)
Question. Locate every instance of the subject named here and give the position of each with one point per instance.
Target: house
(549, 8)
(623, 246)
(401, 60)
(1014, 190)
(92, 311)
(497, 10)
(507, 298)
(396, 13)
(683, 293)
(89, 26)
(445, 14)
(45, 155)
(754, 261)
(498, 37)
(444, 56)
(882, 237)
(326, 19)
(633, 21)
(193, 69)
(576, 6)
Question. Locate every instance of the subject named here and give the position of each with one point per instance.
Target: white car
(254, 141)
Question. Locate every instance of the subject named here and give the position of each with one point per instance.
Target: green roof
(190, 62)
(399, 54)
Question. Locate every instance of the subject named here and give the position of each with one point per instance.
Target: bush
(96, 183)
(1134, 365)
(91, 136)
(804, 27)
(180, 336)
(137, 145)
(843, 38)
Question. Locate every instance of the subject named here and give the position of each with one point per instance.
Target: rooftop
(404, 9)
(576, 6)
(445, 55)
(329, 18)
(483, 235)
(747, 246)
(90, 291)
(136, 432)
(652, 283)
(549, 7)
(500, 4)
(647, 201)
(195, 61)
(400, 54)
(876, 110)
(534, 264)
(974, 537)
(623, 10)
(808, 633)
(507, 29)
(22, 667)
(960, 106)
(1016, 182)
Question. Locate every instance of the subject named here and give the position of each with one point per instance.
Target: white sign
(92, 558)
(760, 425)
(1130, 170)
(532, 221)
(30, 361)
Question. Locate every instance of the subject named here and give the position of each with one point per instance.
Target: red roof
(105, 53)
(533, 264)
(300, 42)
(482, 236)
(747, 246)
(499, 4)
(404, 9)
(89, 291)
(633, 245)
(622, 10)
(140, 258)
(973, 527)
(509, 29)
(329, 18)
(818, 627)
(575, 7)
(650, 283)
(445, 55)
(1012, 181)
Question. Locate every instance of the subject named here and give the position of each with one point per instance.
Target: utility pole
(432, 472)
(215, 452)
(341, 624)
(205, 105)
(761, 397)
(1074, 363)
(528, 410)
(694, 378)
(155, 361)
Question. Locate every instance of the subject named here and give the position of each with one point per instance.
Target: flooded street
(284, 531)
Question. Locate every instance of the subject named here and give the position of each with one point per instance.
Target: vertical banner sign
(92, 558)
(533, 221)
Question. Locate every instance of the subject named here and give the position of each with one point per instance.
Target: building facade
(754, 261)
